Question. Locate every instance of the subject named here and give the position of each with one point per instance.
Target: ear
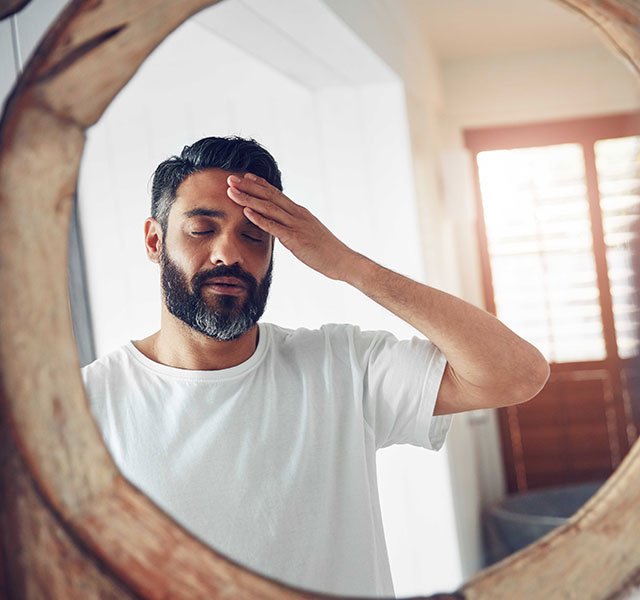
(153, 239)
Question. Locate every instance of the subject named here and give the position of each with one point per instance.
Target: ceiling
(463, 29)
(292, 34)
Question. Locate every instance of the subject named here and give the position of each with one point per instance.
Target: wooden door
(558, 208)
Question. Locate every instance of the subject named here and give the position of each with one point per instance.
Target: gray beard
(230, 317)
(224, 326)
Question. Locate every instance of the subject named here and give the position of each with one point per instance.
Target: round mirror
(61, 81)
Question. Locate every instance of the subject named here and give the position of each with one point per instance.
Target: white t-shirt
(272, 462)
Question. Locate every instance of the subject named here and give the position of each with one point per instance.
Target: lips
(224, 280)
(231, 282)
(225, 286)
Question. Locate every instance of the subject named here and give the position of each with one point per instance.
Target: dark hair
(228, 153)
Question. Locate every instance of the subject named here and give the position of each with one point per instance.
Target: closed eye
(202, 232)
(253, 238)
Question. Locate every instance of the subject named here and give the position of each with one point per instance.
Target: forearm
(485, 355)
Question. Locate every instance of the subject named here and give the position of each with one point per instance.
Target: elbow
(534, 378)
(524, 382)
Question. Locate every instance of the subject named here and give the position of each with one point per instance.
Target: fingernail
(251, 176)
(234, 178)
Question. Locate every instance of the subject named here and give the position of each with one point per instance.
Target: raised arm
(487, 364)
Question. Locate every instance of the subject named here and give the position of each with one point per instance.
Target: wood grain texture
(72, 527)
(45, 560)
(619, 20)
(591, 557)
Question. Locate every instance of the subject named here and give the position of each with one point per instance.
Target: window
(559, 226)
(536, 214)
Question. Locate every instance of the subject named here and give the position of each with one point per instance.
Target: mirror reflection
(374, 145)
(366, 122)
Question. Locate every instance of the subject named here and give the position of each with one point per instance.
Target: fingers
(269, 209)
(264, 207)
(258, 187)
(272, 227)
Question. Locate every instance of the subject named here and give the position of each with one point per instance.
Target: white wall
(536, 87)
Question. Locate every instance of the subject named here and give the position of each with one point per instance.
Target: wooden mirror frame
(70, 525)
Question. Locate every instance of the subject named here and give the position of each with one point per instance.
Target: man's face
(215, 264)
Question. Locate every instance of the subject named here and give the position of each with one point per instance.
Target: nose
(225, 250)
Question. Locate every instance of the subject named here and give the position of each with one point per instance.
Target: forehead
(205, 187)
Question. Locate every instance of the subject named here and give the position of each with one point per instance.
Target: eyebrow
(215, 214)
(205, 212)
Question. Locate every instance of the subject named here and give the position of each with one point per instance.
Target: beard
(223, 318)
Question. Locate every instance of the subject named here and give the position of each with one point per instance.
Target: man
(260, 440)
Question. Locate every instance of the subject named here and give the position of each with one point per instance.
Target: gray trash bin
(520, 519)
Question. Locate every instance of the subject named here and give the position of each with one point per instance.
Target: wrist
(355, 269)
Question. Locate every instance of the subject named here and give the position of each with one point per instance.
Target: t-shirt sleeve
(401, 383)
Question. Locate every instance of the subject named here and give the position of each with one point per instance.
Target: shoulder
(111, 367)
(334, 338)
(328, 331)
